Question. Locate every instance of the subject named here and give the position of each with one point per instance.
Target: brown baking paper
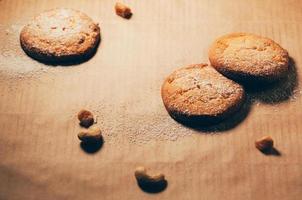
(41, 156)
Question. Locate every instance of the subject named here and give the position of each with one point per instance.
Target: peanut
(150, 182)
(90, 135)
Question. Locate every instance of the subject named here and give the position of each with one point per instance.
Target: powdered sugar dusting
(15, 65)
(119, 125)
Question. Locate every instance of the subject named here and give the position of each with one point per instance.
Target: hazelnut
(86, 118)
(123, 10)
(264, 144)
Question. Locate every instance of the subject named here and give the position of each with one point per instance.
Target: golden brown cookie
(60, 35)
(199, 94)
(248, 57)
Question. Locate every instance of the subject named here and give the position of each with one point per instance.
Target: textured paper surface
(40, 154)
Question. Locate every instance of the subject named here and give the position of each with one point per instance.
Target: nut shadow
(153, 188)
(92, 147)
(278, 91)
(65, 61)
(272, 152)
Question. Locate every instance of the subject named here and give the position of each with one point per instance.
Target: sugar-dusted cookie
(60, 35)
(248, 57)
(199, 94)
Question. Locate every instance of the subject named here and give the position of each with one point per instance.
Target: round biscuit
(199, 94)
(249, 58)
(60, 35)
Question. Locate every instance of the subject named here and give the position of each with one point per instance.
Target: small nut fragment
(123, 10)
(150, 183)
(264, 144)
(91, 135)
(86, 118)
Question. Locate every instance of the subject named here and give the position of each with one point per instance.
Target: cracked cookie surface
(198, 93)
(60, 35)
(245, 57)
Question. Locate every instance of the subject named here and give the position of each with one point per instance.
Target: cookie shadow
(153, 188)
(276, 92)
(92, 147)
(226, 124)
(64, 61)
